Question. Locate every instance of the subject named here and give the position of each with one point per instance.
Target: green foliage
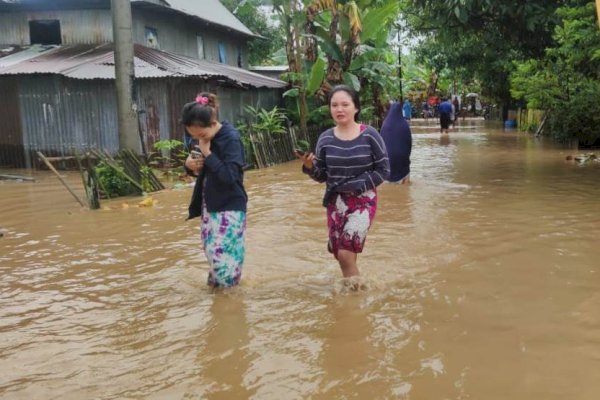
(260, 50)
(330, 47)
(376, 18)
(111, 181)
(173, 161)
(267, 121)
(579, 116)
(317, 74)
(145, 173)
(367, 114)
(320, 116)
(168, 144)
(529, 127)
(342, 31)
(536, 83)
(479, 40)
(248, 150)
(567, 82)
(303, 145)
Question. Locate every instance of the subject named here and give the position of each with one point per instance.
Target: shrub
(113, 183)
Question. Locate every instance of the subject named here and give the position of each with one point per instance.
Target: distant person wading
(445, 110)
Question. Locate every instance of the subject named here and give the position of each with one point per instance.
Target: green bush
(529, 127)
(566, 82)
(271, 122)
(113, 183)
(579, 117)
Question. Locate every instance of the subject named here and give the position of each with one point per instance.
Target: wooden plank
(17, 177)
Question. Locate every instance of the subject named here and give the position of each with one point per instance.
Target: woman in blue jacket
(219, 196)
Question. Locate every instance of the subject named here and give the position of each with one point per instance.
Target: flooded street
(483, 283)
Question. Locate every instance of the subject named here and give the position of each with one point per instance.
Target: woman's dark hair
(200, 112)
(351, 92)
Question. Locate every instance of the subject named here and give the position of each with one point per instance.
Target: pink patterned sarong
(349, 218)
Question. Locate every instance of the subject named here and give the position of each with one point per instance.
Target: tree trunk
(303, 112)
(310, 42)
(292, 51)
(378, 105)
(334, 69)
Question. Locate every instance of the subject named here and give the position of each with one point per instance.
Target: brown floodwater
(483, 282)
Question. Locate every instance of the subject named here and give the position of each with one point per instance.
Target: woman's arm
(381, 162)
(318, 172)
(227, 169)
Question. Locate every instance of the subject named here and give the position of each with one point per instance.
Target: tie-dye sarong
(223, 239)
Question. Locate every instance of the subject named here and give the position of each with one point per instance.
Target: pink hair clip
(202, 100)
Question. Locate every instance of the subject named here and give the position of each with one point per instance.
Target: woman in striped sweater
(352, 160)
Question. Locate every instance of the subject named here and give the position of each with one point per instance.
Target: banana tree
(340, 27)
(291, 16)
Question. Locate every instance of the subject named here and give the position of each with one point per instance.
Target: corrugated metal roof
(23, 54)
(211, 10)
(208, 10)
(186, 66)
(270, 68)
(97, 62)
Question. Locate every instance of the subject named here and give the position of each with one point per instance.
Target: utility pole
(598, 11)
(125, 74)
(400, 64)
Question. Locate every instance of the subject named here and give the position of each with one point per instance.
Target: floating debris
(17, 178)
(147, 202)
(583, 158)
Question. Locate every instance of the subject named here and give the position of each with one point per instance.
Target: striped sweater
(350, 166)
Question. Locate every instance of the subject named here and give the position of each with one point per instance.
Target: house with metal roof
(57, 72)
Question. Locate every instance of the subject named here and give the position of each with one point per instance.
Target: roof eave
(143, 4)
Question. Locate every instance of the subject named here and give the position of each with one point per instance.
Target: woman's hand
(307, 159)
(204, 145)
(195, 164)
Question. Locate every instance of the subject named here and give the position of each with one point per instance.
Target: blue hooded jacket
(398, 141)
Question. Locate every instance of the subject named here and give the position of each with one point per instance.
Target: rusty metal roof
(186, 66)
(97, 62)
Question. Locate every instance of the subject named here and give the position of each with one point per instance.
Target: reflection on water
(483, 283)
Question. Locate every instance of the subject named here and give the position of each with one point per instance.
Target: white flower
(358, 224)
(340, 205)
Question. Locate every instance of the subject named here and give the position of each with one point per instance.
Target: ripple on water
(494, 242)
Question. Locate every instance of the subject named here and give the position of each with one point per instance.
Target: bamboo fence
(268, 149)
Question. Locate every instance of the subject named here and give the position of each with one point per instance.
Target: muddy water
(483, 278)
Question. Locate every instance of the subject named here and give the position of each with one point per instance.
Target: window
(240, 62)
(44, 31)
(151, 37)
(200, 44)
(222, 53)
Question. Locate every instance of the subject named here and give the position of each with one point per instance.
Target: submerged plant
(173, 161)
(113, 183)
